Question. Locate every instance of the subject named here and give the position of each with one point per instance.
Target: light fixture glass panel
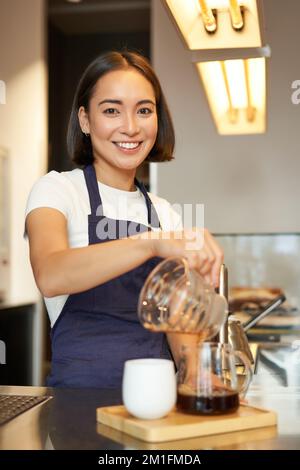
(187, 16)
(257, 69)
(236, 109)
(237, 83)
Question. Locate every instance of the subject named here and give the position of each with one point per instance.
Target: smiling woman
(122, 123)
(90, 229)
(144, 97)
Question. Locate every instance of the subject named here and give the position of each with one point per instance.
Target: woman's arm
(59, 269)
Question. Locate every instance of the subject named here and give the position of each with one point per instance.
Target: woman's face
(122, 119)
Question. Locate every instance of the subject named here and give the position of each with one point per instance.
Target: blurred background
(247, 183)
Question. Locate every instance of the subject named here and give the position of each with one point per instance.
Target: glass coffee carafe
(207, 378)
(176, 298)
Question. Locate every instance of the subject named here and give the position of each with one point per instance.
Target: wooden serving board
(229, 440)
(183, 426)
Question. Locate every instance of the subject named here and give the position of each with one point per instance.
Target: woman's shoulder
(61, 178)
(65, 182)
(56, 190)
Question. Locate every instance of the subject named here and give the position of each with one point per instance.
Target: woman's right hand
(198, 246)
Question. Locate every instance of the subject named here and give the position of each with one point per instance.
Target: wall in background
(23, 124)
(23, 132)
(247, 183)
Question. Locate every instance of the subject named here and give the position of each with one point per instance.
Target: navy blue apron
(98, 330)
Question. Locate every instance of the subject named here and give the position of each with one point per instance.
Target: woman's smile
(128, 147)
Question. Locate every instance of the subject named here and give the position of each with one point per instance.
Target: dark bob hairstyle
(79, 145)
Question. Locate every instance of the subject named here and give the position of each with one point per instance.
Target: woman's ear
(83, 120)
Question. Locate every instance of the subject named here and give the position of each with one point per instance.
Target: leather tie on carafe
(222, 336)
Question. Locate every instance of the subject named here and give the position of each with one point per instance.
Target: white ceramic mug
(149, 387)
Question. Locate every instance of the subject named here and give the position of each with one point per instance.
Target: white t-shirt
(67, 192)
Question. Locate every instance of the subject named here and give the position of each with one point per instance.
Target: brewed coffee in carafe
(207, 378)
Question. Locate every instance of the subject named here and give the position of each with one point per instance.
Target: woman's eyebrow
(146, 102)
(121, 102)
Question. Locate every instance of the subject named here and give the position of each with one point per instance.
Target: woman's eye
(145, 111)
(111, 111)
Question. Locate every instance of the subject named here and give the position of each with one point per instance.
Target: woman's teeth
(128, 145)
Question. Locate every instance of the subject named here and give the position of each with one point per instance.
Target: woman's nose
(130, 125)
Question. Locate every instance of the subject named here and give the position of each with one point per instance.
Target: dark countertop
(68, 420)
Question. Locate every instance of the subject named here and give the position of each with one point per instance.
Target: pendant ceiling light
(236, 93)
(217, 24)
(225, 42)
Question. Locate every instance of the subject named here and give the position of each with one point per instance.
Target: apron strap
(96, 202)
(93, 190)
(153, 219)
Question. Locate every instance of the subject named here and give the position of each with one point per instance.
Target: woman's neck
(115, 178)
